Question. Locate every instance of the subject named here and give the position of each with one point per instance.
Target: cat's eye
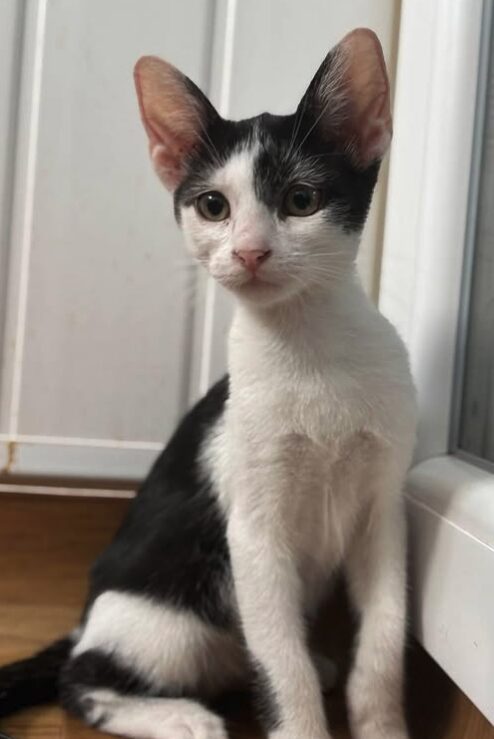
(302, 200)
(213, 206)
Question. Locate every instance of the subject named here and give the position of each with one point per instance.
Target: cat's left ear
(349, 98)
(175, 114)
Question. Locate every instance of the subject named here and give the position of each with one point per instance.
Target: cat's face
(273, 206)
(269, 214)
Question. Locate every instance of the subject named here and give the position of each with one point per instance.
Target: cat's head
(273, 206)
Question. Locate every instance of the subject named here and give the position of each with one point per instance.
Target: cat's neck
(309, 318)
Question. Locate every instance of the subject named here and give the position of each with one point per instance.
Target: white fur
(163, 646)
(152, 718)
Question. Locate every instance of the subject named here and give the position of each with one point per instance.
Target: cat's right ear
(349, 98)
(175, 114)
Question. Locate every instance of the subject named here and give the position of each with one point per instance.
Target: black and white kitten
(291, 466)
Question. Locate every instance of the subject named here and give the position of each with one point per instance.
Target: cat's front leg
(269, 596)
(377, 583)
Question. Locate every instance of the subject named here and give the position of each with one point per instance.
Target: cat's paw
(382, 735)
(154, 718)
(381, 731)
(297, 733)
(192, 722)
(205, 726)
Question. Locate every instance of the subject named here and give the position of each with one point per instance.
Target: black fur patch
(310, 158)
(95, 670)
(33, 681)
(291, 149)
(172, 545)
(220, 140)
(265, 698)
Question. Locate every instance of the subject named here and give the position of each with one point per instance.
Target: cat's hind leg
(138, 666)
(109, 696)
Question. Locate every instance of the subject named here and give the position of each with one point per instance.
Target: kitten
(290, 467)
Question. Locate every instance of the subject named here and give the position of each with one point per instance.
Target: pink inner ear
(168, 151)
(170, 115)
(167, 165)
(364, 83)
(376, 129)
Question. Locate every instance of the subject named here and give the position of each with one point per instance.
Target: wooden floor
(46, 546)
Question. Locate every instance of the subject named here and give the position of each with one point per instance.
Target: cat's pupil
(302, 199)
(215, 205)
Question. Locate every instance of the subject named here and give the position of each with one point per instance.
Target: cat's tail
(33, 681)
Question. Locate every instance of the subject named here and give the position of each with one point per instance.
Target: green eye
(301, 200)
(213, 206)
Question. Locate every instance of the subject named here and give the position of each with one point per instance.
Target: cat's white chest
(311, 424)
(318, 497)
(332, 490)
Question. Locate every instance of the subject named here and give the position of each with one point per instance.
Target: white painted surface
(451, 513)
(427, 201)
(102, 263)
(74, 457)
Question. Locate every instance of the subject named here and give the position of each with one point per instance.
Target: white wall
(101, 348)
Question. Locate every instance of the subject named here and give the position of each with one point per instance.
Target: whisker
(323, 111)
(296, 128)
(319, 277)
(313, 255)
(210, 145)
(326, 154)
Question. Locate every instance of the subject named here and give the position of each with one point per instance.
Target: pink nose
(252, 259)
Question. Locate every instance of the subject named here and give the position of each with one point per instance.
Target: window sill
(451, 518)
